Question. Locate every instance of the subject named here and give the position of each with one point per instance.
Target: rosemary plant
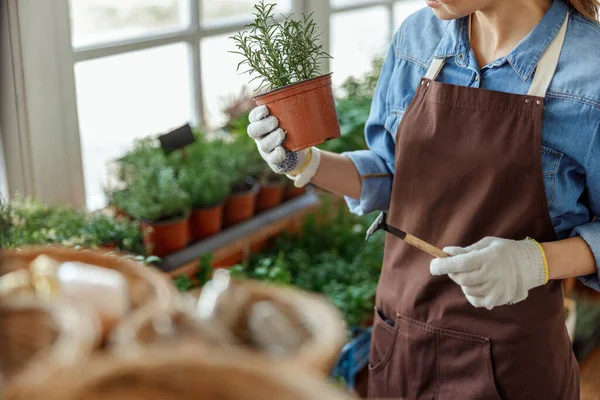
(279, 52)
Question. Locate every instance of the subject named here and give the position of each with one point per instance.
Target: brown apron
(468, 165)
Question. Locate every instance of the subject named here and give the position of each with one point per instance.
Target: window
(116, 70)
(356, 40)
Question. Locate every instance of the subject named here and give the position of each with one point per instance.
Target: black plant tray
(261, 222)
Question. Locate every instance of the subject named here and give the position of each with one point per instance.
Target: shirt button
(461, 56)
(476, 77)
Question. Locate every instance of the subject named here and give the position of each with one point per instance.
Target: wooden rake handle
(424, 246)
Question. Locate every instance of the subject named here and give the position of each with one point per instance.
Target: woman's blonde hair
(588, 8)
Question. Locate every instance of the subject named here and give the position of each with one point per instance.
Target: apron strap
(548, 63)
(545, 69)
(434, 68)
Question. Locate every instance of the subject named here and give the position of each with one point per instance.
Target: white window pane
(356, 38)
(221, 83)
(343, 3)
(218, 10)
(404, 8)
(96, 21)
(125, 97)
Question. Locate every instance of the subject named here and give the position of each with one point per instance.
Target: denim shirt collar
(523, 58)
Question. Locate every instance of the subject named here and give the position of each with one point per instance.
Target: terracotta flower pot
(270, 195)
(166, 237)
(292, 192)
(306, 111)
(241, 203)
(205, 222)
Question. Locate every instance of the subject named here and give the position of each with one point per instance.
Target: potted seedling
(240, 206)
(272, 190)
(241, 166)
(291, 191)
(208, 188)
(284, 55)
(156, 199)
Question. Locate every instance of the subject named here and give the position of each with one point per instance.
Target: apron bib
(468, 165)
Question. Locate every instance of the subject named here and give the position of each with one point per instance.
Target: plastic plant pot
(205, 222)
(162, 238)
(306, 112)
(241, 203)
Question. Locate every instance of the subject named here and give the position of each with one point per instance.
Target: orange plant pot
(164, 238)
(306, 111)
(270, 195)
(240, 205)
(205, 222)
(293, 192)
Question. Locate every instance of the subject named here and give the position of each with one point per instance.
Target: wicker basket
(37, 337)
(164, 374)
(147, 287)
(325, 326)
(159, 327)
(324, 322)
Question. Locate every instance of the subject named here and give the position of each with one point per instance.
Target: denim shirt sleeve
(590, 232)
(376, 165)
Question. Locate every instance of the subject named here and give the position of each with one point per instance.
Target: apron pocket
(409, 367)
(382, 341)
(465, 367)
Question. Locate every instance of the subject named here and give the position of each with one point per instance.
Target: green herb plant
(145, 152)
(29, 222)
(205, 172)
(155, 195)
(123, 233)
(279, 52)
(206, 187)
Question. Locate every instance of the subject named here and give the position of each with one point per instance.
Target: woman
(483, 134)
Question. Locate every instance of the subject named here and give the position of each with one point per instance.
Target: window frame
(39, 117)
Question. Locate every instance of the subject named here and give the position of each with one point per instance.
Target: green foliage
(145, 153)
(206, 187)
(205, 269)
(156, 195)
(247, 159)
(202, 275)
(272, 269)
(183, 283)
(279, 53)
(588, 318)
(205, 173)
(123, 233)
(29, 222)
(5, 225)
(329, 257)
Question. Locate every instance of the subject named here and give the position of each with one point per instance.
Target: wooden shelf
(238, 240)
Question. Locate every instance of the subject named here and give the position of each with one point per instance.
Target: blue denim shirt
(571, 127)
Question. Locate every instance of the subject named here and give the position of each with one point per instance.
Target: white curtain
(3, 180)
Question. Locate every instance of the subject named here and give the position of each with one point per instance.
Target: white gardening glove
(299, 166)
(494, 272)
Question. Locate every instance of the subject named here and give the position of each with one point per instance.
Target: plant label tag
(177, 138)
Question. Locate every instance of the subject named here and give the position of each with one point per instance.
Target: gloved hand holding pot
(296, 109)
